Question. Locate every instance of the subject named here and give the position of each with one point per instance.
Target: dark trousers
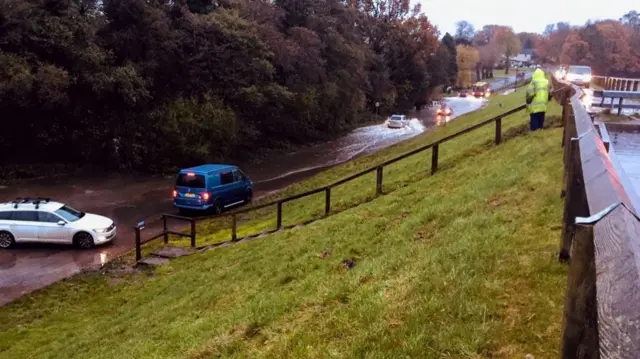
(537, 121)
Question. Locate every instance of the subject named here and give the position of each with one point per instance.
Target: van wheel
(217, 207)
(6, 240)
(83, 240)
(249, 197)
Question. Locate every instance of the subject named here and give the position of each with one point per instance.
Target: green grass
(457, 265)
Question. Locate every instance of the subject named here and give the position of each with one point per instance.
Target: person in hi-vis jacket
(538, 97)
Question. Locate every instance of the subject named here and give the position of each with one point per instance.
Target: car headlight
(101, 230)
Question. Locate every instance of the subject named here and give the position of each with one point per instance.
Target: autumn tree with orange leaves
(610, 47)
(508, 44)
(467, 59)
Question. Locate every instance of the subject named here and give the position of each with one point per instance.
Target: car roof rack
(36, 201)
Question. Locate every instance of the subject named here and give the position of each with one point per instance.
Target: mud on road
(130, 199)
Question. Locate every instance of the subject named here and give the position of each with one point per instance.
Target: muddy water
(129, 199)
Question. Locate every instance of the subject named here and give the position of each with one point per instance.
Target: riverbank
(459, 264)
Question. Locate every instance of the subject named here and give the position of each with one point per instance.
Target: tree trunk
(478, 76)
(508, 65)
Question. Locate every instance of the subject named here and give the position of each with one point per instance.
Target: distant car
(579, 75)
(481, 89)
(211, 187)
(45, 221)
(463, 93)
(397, 121)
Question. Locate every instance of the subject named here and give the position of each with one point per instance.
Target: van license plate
(190, 195)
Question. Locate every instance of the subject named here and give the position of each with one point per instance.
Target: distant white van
(579, 75)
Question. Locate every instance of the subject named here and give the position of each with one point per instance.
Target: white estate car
(579, 75)
(397, 121)
(42, 220)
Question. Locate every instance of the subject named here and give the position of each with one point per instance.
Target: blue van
(211, 187)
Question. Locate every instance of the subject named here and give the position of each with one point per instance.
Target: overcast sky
(529, 16)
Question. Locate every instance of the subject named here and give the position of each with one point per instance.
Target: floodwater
(626, 146)
(130, 199)
(596, 105)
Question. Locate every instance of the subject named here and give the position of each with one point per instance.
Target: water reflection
(442, 120)
(103, 258)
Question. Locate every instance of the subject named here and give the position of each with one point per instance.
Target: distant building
(524, 58)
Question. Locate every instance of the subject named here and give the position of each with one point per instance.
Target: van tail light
(205, 196)
(175, 193)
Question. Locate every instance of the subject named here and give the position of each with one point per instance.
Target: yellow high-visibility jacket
(538, 92)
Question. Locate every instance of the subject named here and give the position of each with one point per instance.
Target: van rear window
(191, 181)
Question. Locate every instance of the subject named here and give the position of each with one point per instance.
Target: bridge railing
(601, 241)
(616, 83)
(621, 96)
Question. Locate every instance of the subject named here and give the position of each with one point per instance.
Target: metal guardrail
(620, 95)
(601, 240)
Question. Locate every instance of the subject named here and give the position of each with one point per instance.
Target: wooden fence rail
(601, 240)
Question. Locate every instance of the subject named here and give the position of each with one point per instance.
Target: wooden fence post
(164, 229)
(138, 244)
(498, 130)
(570, 132)
(193, 233)
(575, 203)
(571, 155)
(379, 181)
(279, 216)
(234, 228)
(565, 115)
(327, 201)
(580, 317)
(434, 158)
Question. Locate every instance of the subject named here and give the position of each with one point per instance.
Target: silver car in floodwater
(397, 121)
(46, 221)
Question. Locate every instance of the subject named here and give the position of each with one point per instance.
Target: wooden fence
(601, 241)
(379, 174)
(616, 83)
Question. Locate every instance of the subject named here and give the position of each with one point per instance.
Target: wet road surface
(130, 199)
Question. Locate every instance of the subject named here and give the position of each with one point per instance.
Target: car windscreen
(580, 70)
(69, 213)
(396, 118)
(190, 180)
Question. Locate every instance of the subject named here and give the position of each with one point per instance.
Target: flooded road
(130, 199)
(270, 176)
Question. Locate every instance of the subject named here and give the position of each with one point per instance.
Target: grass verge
(456, 265)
